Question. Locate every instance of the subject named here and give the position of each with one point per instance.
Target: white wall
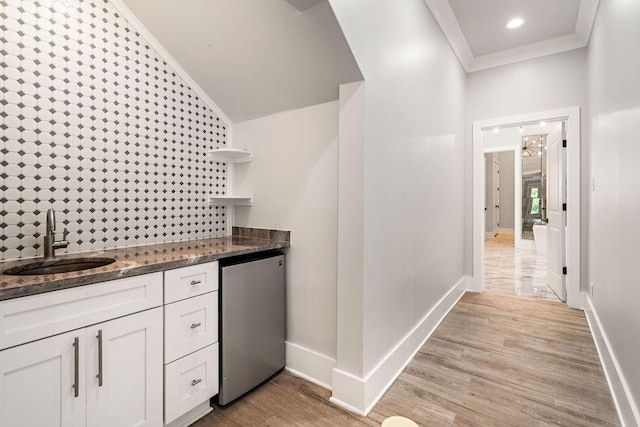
(614, 85)
(547, 83)
(413, 176)
(507, 189)
(350, 299)
(293, 179)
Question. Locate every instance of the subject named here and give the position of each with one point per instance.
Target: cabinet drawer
(190, 381)
(190, 325)
(190, 281)
(38, 316)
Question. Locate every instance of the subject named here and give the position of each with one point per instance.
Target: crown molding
(444, 15)
(442, 12)
(586, 18)
(523, 53)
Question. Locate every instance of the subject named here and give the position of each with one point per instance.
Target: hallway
(495, 360)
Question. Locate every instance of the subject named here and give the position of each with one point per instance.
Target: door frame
(517, 191)
(575, 297)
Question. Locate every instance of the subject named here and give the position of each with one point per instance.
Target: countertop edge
(90, 279)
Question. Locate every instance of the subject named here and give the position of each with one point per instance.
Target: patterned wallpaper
(95, 125)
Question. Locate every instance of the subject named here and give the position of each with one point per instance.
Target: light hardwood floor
(510, 270)
(496, 360)
(501, 358)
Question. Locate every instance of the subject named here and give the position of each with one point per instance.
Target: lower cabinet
(38, 383)
(190, 381)
(124, 371)
(108, 374)
(111, 354)
(190, 342)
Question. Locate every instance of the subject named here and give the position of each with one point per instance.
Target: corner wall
(413, 227)
(614, 87)
(293, 179)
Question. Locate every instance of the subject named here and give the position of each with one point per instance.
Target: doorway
(571, 260)
(522, 162)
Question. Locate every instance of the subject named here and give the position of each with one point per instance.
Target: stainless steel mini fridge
(252, 323)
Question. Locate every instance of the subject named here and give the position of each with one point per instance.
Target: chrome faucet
(50, 243)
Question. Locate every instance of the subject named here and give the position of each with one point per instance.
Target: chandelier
(534, 145)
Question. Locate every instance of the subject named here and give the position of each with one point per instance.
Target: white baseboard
(490, 234)
(626, 407)
(310, 365)
(359, 395)
(349, 392)
(192, 416)
(472, 284)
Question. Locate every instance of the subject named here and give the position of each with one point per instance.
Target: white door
(556, 216)
(496, 197)
(43, 383)
(124, 371)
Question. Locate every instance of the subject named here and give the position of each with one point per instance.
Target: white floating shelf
(230, 200)
(229, 155)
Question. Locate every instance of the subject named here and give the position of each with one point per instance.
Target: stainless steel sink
(58, 266)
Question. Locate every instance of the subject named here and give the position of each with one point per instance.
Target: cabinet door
(39, 382)
(124, 371)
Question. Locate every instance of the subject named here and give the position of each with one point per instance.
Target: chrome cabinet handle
(99, 376)
(195, 382)
(76, 367)
(195, 282)
(195, 325)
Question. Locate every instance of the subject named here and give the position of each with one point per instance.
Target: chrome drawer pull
(76, 367)
(195, 282)
(99, 376)
(195, 325)
(195, 382)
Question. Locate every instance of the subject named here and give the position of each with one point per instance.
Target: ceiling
(477, 32)
(254, 58)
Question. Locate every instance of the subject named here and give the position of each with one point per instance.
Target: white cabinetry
(37, 383)
(93, 374)
(190, 325)
(124, 371)
(189, 384)
(190, 344)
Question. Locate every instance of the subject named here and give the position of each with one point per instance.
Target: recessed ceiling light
(515, 23)
(496, 130)
(543, 124)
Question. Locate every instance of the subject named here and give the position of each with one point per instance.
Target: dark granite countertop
(136, 260)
